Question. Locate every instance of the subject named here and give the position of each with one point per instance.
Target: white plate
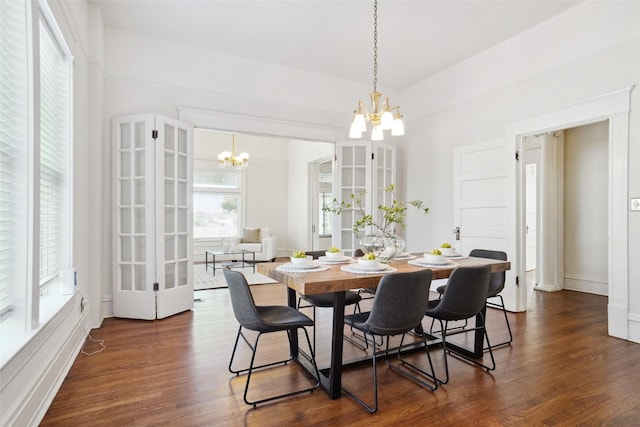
(441, 262)
(454, 255)
(344, 258)
(301, 267)
(379, 267)
(352, 268)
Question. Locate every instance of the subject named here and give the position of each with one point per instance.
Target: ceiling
(416, 39)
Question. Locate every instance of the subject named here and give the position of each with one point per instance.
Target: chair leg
(252, 347)
(506, 319)
(415, 379)
(374, 408)
(471, 360)
(280, 396)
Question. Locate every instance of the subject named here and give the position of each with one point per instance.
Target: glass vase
(386, 246)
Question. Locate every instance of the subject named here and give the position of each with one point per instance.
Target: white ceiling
(416, 39)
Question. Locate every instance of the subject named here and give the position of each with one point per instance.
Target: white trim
(615, 107)
(260, 125)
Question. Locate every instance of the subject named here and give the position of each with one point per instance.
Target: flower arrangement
(391, 216)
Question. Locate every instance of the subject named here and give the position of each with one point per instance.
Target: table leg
(293, 337)
(254, 261)
(335, 371)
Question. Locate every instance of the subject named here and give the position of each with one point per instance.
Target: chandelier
(382, 117)
(228, 159)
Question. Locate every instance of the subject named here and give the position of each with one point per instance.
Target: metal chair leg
(252, 368)
(506, 319)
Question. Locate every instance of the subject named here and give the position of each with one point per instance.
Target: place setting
(434, 259)
(403, 256)
(334, 255)
(301, 263)
(368, 264)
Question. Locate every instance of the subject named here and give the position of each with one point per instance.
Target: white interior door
(484, 204)
(152, 217)
(532, 215)
(174, 164)
(480, 188)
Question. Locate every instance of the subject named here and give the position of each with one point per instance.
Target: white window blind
(54, 157)
(14, 137)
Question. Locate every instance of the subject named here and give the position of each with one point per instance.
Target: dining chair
(496, 285)
(326, 301)
(464, 298)
(398, 307)
(264, 320)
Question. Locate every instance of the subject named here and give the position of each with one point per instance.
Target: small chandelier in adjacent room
(382, 117)
(228, 159)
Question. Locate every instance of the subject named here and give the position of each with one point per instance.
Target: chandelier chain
(375, 45)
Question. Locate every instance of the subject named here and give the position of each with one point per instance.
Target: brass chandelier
(228, 159)
(382, 117)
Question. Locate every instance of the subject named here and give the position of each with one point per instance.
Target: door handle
(456, 231)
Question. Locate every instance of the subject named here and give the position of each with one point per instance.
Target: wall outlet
(635, 204)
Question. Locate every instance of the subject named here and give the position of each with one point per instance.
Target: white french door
(361, 167)
(152, 216)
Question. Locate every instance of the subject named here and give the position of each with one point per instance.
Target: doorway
(320, 194)
(566, 204)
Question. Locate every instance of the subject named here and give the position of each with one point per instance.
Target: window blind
(54, 157)
(14, 143)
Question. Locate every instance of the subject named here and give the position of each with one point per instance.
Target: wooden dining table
(336, 281)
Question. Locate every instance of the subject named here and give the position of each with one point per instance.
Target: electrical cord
(99, 342)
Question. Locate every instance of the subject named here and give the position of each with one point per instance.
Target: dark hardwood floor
(562, 369)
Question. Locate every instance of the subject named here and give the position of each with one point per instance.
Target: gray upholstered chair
(398, 307)
(464, 297)
(264, 320)
(496, 285)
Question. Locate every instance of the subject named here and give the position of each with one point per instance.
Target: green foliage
(393, 215)
(230, 205)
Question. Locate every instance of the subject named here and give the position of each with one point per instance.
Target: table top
(334, 279)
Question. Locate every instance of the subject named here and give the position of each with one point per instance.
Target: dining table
(339, 277)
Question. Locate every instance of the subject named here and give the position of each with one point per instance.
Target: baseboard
(574, 282)
(31, 380)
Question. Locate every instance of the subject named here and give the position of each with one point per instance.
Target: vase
(386, 246)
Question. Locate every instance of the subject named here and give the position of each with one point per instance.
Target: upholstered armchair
(258, 240)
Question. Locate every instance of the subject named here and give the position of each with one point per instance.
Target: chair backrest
(315, 254)
(466, 292)
(400, 302)
(244, 307)
(496, 283)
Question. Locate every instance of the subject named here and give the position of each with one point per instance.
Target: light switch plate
(635, 204)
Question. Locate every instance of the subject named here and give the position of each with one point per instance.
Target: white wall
(586, 180)
(591, 50)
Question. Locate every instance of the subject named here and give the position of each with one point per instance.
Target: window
(35, 160)
(217, 201)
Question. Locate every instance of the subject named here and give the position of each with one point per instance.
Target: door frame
(314, 187)
(614, 107)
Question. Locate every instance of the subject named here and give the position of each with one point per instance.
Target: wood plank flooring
(562, 369)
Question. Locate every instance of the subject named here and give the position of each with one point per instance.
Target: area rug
(206, 280)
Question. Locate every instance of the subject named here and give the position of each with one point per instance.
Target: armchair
(258, 240)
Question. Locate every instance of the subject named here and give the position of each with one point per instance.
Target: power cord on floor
(99, 342)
